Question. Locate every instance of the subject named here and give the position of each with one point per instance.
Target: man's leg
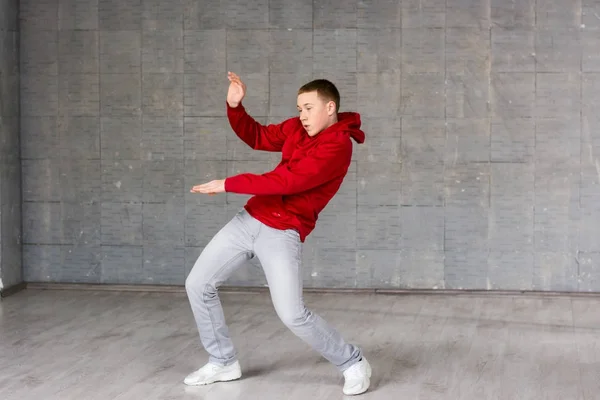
(280, 254)
(230, 248)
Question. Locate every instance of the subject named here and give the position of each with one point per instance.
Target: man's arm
(258, 137)
(255, 135)
(328, 161)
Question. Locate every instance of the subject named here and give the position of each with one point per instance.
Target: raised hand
(237, 90)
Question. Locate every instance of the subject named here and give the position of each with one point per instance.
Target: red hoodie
(310, 172)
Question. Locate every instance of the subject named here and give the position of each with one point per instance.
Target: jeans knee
(199, 287)
(294, 318)
(190, 284)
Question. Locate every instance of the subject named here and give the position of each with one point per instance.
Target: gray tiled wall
(10, 168)
(481, 167)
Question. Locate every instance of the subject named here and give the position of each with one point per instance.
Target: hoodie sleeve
(255, 135)
(328, 161)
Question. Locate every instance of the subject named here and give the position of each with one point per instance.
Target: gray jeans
(280, 254)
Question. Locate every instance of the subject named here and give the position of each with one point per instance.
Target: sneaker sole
(226, 377)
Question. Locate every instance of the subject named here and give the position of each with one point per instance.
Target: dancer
(316, 151)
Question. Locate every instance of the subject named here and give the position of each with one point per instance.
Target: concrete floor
(110, 345)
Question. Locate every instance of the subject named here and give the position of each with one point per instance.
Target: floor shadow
(385, 367)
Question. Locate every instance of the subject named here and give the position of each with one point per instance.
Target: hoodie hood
(350, 123)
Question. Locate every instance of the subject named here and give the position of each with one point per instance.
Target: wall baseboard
(12, 289)
(263, 289)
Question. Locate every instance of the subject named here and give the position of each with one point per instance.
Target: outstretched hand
(237, 90)
(212, 187)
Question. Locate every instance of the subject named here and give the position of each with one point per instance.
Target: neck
(333, 120)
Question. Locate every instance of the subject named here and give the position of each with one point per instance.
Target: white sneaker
(357, 378)
(211, 373)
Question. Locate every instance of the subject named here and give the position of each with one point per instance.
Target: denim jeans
(280, 254)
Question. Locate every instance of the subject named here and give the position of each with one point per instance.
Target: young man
(316, 150)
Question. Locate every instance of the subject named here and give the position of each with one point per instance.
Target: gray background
(480, 169)
(10, 166)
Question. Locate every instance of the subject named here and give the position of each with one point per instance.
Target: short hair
(325, 89)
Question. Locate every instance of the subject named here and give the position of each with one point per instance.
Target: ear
(331, 107)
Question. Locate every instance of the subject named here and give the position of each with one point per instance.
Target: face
(316, 114)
